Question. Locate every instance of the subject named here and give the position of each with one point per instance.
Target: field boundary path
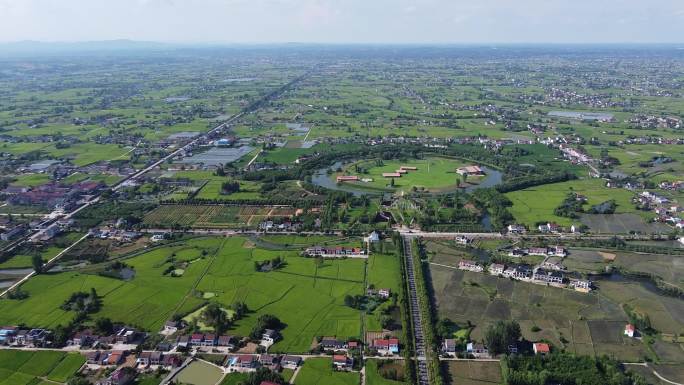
(172, 374)
(655, 373)
(414, 306)
(45, 265)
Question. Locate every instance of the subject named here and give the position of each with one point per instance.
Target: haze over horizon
(344, 21)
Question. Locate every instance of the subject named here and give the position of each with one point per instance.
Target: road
(416, 318)
(450, 235)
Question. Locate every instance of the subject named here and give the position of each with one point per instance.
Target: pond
(323, 179)
(614, 276)
(15, 271)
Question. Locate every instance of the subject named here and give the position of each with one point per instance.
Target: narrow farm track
(414, 305)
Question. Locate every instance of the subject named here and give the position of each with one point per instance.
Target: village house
(581, 285)
(517, 252)
(183, 342)
(244, 362)
(537, 251)
(477, 350)
(347, 178)
(196, 339)
(269, 337)
(93, 357)
(171, 327)
(496, 268)
(387, 346)
(333, 252)
(549, 228)
(225, 341)
(449, 347)
(115, 357)
(209, 340)
(548, 276)
(121, 376)
(373, 237)
(557, 251)
(269, 361)
(290, 362)
(331, 343)
(516, 229)
(522, 272)
(144, 359)
(541, 348)
(156, 358)
(461, 240)
(342, 362)
(630, 330)
(470, 266)
(551, 264)
(470, 170)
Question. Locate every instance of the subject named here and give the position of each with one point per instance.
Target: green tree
(37, 261)
(501, 335)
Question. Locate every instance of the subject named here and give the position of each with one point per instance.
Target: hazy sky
(344, 21)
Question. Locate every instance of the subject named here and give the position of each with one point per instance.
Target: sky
(345, 21)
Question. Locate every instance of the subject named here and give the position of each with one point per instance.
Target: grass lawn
(67, 367)
(432, 173)
(308, 298)
(536, 204)
(212, 190)
(384, 271)
(31, 180)
(23, 367)
(148, 300)
(318, 371)
(234, 378)
(87, 153)
(199, 373)
(17, 262)
(374, 372)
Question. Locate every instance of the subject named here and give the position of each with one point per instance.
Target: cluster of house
(478, 350)
(546, 274)
(383, 346)
(381, 293)
(249, 362)
(470, 170)
(119, 235)
(651, 121)
(15, 336)
(205, 340)
(122, 335)
(544, 228)
(659, 204)
(285, 225)
(399, 172)
(51, 195)
(552, 251)
(143, 359)
(574, 155)
(334, 252)
(672, 186)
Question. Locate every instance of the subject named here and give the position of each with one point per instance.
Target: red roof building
(541, 348)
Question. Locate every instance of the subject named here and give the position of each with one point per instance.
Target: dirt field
(621, 224)
(474, 373)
